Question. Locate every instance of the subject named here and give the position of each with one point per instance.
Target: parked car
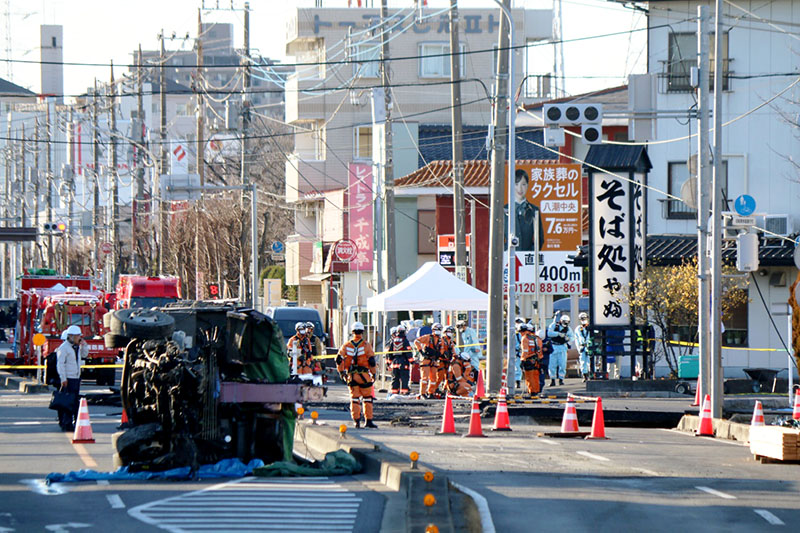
(287, 317)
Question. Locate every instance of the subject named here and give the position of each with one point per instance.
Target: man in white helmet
(68, 365)
(583, 342)
(560, 335)
(357, 368)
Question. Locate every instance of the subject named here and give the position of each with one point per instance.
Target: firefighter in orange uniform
(446, 355)
(305, 356)
(429, 348)
(356, 365)
(530, 355)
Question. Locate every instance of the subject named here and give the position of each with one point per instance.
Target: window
(54, 42)
(426, 231)
(735, 333)
(438, 65)
(309, 141)
(678, 174)
(366, 52)
(362, 145)
(682, 56)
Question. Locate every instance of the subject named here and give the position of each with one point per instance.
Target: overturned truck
(201, 382)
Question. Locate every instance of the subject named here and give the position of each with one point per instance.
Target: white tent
(431, 287)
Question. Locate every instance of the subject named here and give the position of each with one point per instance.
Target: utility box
(747, 252)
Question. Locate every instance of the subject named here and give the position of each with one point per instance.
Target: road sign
(345, 250)
(277, 247)
(742, 221)
(106, 248)
(557, 273)
(745, 205)
(22, 234)
(39, 339)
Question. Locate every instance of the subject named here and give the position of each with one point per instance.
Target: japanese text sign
(359, 203)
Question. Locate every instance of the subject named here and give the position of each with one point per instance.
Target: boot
(585, 378)
(552, 383)
(370, 424)
(560, 381)
(356, 424)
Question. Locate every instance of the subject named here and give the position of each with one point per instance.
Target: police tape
(36, 367)
(684, 343)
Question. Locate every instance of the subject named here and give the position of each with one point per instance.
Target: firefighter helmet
(357, 327)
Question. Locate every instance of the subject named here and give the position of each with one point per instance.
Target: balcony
(672, 209)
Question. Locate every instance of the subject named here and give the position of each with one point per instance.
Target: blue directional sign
(745, 205)
(277, 247)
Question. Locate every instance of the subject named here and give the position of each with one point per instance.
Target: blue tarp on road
(223, 469)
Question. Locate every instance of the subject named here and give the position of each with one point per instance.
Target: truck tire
(683, 388)
(141, 324)
(134, 441)
(107, 320)
(115, 341)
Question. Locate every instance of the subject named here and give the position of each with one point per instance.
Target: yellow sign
(39, 339)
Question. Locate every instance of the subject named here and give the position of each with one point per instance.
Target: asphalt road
(31, 446)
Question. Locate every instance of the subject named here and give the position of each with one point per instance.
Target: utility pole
(703, 195)
(22, 200)
(113, 265)
(458, 151)
(71, 185)
(138, 178)
(20, 206)
(388, 164)
(496, 225)
(200, 153)
(163, 165)
(48, 158)
(96, 181)
(716, 249)
(8, 155)
(253, 297)
(33, 175)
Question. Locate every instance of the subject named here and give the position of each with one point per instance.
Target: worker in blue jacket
(560, 334)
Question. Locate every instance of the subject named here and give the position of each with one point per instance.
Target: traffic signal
(54, 227)
(213, 290)
(566, 114)
(592, 133)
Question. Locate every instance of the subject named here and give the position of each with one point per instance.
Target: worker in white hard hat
(583, 343)
(357, 368)
(68, 366)
(560, 335)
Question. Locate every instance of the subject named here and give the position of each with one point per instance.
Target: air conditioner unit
(778, 224)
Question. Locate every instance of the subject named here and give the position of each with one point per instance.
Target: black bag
(63, 401)
(547, 347)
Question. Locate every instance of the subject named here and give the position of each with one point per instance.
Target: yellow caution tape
(684, 343)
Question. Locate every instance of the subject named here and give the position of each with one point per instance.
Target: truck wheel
(115, 341)
(682, 388)
(141, 324)
(136, 441)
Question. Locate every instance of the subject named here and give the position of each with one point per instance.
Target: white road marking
(716, 492)
(103, 482)
(26, 423)
(487, 526)
(261, 504)
(769, 517)
(712, 439)
(115, 501)
(550, 442)
(593, 456)
(40, 486)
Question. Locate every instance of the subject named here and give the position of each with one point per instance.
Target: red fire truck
(49, 304)
(146, 291)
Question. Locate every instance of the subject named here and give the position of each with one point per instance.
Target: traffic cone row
(796, 410)
(83, 427)
(758, 415)
(706, 422)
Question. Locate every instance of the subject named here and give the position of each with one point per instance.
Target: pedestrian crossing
(257, 504)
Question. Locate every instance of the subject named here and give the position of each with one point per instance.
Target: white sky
(103, 30)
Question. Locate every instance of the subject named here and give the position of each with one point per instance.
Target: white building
(759, 149)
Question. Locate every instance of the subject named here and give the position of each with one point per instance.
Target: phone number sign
(557, 273)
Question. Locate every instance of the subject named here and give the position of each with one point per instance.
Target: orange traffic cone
(796, 411)
(501, 421)
(569, 424)
(758, 415)
(475, 429)
(706, 423)
(480, 389)
(697, 396)
(598, 421)
(83, 428)
(448, 423)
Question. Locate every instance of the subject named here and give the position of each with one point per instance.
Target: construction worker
(429, 348)
(446, 356)
(560, 334)
(301, 343)
(531, 356)
(459, 373)
(517, 367)
(355, 363)
(583, 343)
(400, 358)
(317, 346)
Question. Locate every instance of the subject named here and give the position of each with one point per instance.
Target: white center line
(593, 456)
(769, 517)
(115, 501)
(716, 492)
(103, 482)
(26, 423)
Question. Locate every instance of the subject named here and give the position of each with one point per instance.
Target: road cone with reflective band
(706, 422)
(598, 421)
(124, 418)
(475, 429)
(480, 389)
(796, 411)
(696, 396)
(448, 423)
(501, 421)
(758, 415)
(569, 424)
(83, 427)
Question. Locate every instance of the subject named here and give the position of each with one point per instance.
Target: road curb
(394, 471)
(723, 429)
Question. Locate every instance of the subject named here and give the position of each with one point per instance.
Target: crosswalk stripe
(260, 504)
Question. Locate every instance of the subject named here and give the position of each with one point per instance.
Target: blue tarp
(223, 469)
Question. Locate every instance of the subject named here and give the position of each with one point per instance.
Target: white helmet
(583, 316)
(564, 319)
(418, 323)
(357, 326)
(436, 329)
(400, 329)
(531, 327)
(72, 330)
